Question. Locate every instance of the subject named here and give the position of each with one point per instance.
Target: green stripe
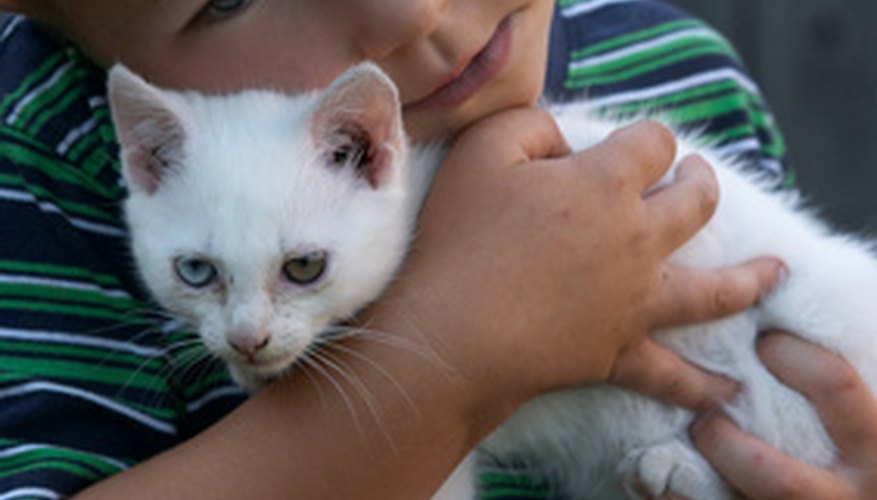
(81, 371)
(40, 104)
(70, 94)
(635, 37)
(48, 164)
(69, 207)
(202, 385)
(33, 80)
(49, 292)
(98, 354)
(673, 100)
(57, 271)
(89, 312)
(639, 57)
(59, 454)
(11, 180)
(75, 469)
(568, 3)
(576, 81)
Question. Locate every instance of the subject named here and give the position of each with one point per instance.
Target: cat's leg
(670, 467)
(461, 484)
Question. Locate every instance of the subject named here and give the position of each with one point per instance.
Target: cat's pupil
(307, 269)
(195, 272)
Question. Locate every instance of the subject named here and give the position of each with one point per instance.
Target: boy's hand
(545, 270)
(848, 411)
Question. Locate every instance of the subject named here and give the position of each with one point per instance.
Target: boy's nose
(387, 25)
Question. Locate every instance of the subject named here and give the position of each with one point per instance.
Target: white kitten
(263, 218)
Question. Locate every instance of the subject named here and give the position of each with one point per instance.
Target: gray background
(816, 61)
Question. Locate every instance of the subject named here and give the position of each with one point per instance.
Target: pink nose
(248, 343)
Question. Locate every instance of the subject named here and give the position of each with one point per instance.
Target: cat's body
(593, 443)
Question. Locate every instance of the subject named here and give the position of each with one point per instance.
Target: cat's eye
(195, 271)
(305, 269)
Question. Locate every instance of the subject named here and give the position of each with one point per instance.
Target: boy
(94, 385)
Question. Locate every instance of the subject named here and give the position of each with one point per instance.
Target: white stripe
(69, 285)
(35, 93)
(16, 20)
(30, 493)
(97, 101)
(735, 148)
(77, 393)
(92, 227)
(643, 46)
(75, 134)
(219, 393)
(586, 7)
(26, 448)
(695, 80)
(771, 166)
(81, 340)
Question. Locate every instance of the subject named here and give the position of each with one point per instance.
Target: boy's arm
(507, 294)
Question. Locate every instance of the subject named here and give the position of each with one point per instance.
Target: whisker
(343, 369)
(309, 358)
(425, 352)
(302, 366)
(352, 352)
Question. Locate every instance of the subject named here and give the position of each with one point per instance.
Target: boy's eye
(220, 9)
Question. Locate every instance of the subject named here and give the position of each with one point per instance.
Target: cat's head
(261, 217)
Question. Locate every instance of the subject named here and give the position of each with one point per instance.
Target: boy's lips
(473, 74)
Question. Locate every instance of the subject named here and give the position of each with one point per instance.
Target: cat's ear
(149, 129)
(358, 124)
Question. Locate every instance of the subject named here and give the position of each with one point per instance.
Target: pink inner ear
(148, 127)
(362, 100)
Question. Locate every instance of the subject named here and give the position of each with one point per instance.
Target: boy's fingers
(681, 208)
(633, 157)
(694, 295)
(655, 371)
(533, 130)
(844, 403)
(759, 471)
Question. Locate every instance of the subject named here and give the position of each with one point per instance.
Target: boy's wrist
(456, 378)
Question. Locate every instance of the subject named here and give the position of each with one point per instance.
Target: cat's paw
(667, 468)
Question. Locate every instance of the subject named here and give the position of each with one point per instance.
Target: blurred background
(816, 61)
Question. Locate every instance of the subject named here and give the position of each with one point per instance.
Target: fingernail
(781, 274)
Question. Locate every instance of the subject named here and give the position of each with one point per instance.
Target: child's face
(488, 54)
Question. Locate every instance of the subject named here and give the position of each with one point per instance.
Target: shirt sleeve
(648, 58)
(93, 377)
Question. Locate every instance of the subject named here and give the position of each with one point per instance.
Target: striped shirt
(94, 378)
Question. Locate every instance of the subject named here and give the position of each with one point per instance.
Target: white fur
(602, 442)
(251, 187)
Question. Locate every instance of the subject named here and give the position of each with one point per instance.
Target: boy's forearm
(314, 438)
